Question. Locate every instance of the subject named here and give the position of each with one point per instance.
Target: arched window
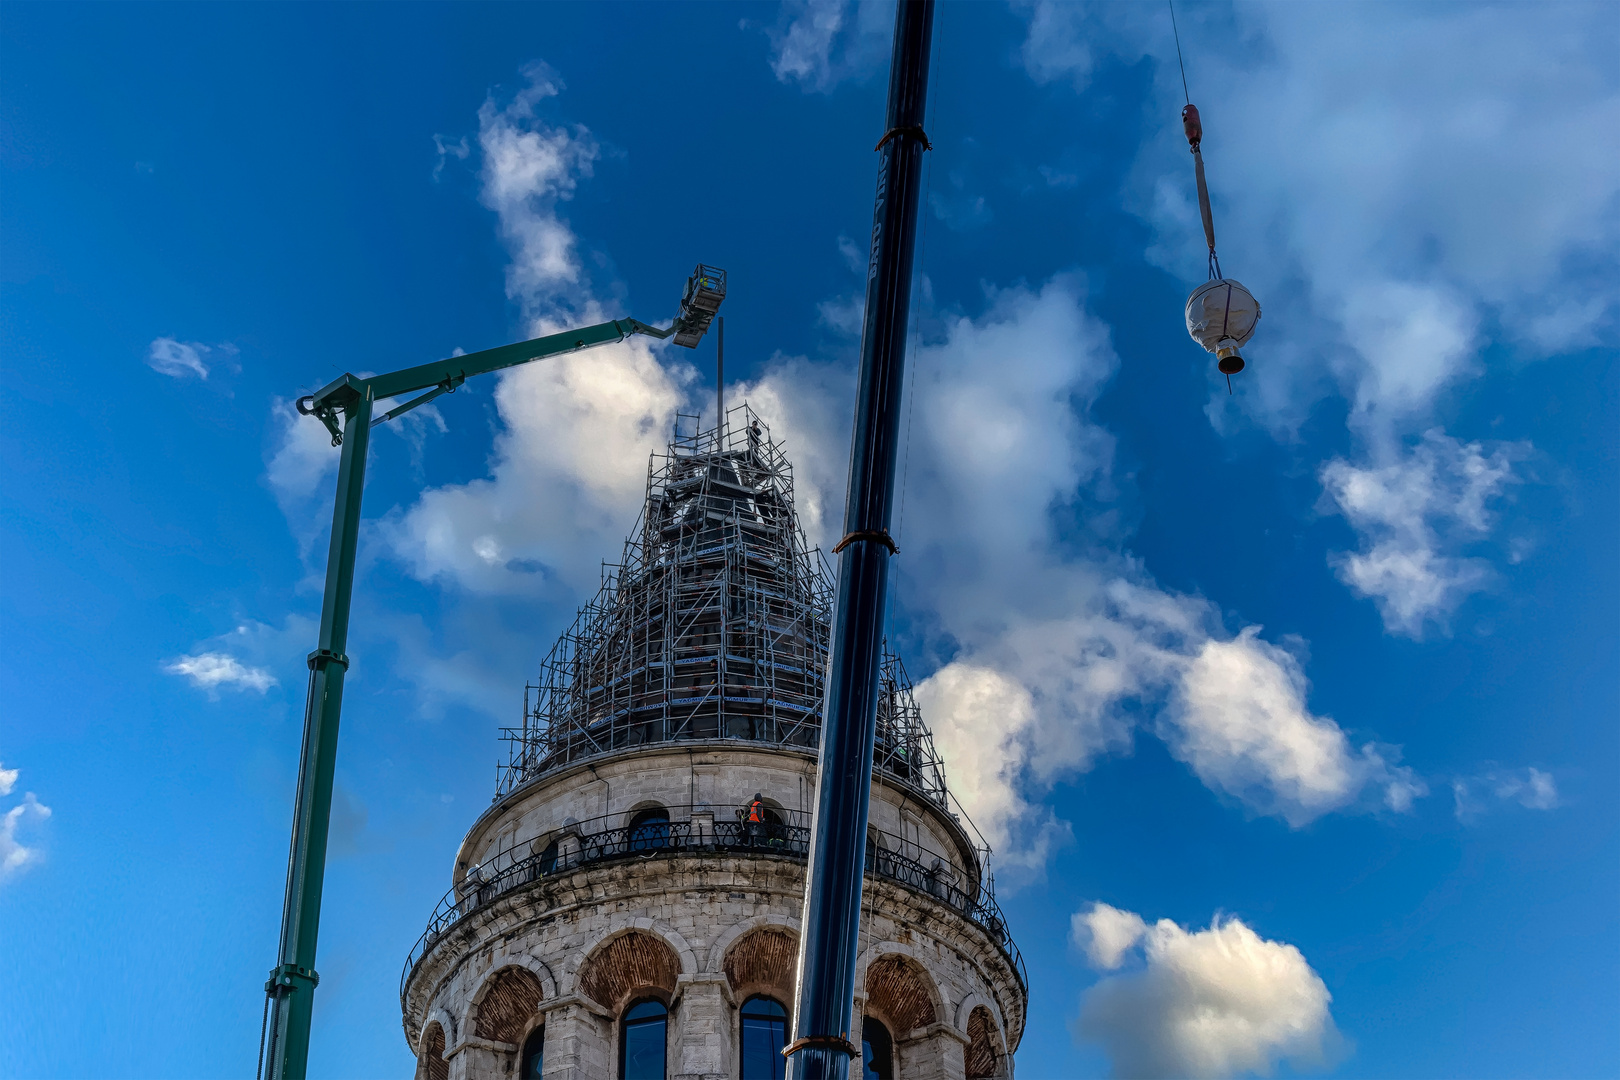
(649, 829)
(764, 1033)
(641, 1041)
(534, 1055)
(877, 1051)
(775, 827)
(548, 858)
(981, 1057)
(434, 1066)
(763, 823)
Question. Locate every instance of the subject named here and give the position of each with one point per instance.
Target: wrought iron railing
(590, 843)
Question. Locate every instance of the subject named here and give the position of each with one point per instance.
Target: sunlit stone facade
(627, 908)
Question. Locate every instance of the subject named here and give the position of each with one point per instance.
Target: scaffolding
(715, 625)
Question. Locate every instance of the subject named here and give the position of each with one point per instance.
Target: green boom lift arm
(345, 406)
(444, 376)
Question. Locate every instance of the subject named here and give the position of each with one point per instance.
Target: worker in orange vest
(756, 818)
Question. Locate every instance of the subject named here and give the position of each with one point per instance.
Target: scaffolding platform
(714, 625)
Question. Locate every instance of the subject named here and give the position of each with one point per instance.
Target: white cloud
(1385, 181)
(843, 314)
(447, 149)
(247, 656)
(300, 471)
(569, 474)
(1241, 722)
(569, 462)
(854, 257)
(1002, 443)
(415, 427)
(14, 856)
(303, 462)
(1065, 38)
(531, 166)
(1057, 645)
(1532, 789)
(1414, 514)
(820, 43)
(213, 670)
(1535, 792)
(1055, 649)
(960, 209)
(569, 465)
(178, 358)
(1399, 190)
(1106, 934)
(985, 760)
(1206, 1003)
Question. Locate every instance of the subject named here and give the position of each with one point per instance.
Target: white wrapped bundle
(1222, 309)
(1222, 315)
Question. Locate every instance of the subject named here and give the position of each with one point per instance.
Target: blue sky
(1296, 706)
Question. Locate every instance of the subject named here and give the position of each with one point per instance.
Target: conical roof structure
(641, 872)
(713, 626)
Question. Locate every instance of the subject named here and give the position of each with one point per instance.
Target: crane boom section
(345, 407)
(340, 392)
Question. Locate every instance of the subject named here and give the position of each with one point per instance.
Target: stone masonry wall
(665, 926)
(723, 777)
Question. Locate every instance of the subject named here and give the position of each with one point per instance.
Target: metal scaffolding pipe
(822, 1045)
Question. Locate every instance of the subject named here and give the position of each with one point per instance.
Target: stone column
(481, 1059)
(931, 1053)
(579, 1040)
(702, 1036)
(568, 848)
(702, 828)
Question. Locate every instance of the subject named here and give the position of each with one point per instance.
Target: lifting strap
(1194, 128)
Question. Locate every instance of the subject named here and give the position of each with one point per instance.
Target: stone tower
(629, 905)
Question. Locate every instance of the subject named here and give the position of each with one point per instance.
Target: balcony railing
(593, 842)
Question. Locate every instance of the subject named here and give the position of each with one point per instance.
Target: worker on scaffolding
(754, 436)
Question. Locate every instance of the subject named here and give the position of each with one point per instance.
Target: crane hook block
(699, 304)
(1192, 125)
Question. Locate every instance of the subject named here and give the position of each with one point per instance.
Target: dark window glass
(649, 829)
(764, 1033)
(641, 1041)
(877, 1051)
(548, 858)
(534, 1048)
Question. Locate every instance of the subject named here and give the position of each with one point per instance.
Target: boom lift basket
(704, 291)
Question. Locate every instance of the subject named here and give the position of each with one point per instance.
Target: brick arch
(982, 1057)
(631, 963)
(505, 1003)
(737, 931)
(433, 1065)
(899, 990)
(763, 961)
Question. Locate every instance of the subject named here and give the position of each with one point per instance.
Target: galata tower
(628, 906)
